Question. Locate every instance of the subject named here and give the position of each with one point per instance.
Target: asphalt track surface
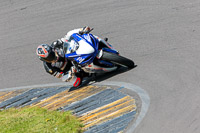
(162, 37)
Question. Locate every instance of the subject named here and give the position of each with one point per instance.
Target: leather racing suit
(63, 68)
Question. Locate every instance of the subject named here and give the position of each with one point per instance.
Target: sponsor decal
(80, 59)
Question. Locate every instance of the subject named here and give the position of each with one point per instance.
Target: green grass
(38, 120)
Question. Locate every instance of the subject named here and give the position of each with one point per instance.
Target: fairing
(87, 51)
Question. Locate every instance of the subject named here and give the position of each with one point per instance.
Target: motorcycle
(95, 55)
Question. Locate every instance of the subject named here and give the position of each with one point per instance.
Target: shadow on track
(101, 77)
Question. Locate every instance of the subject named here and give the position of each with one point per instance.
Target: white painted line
(37, 86)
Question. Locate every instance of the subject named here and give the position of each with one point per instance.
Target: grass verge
(38, 120)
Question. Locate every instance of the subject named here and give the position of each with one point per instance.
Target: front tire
(117, 59)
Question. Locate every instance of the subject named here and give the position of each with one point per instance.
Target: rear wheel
(117, 59)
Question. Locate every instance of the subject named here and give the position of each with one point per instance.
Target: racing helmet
(46, 53)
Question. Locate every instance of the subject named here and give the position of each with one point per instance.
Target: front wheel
(117, 59)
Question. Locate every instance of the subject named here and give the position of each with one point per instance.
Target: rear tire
(117, 59)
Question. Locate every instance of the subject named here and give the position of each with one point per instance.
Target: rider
(54, 60)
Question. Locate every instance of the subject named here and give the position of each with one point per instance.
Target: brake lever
(91, 29)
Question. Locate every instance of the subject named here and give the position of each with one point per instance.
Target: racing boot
(78, 82)
(79, 78)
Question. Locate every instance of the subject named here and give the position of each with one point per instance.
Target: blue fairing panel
(110, 50)
(89, 38)
(84, 59)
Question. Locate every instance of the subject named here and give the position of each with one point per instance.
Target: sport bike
(96, 55)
